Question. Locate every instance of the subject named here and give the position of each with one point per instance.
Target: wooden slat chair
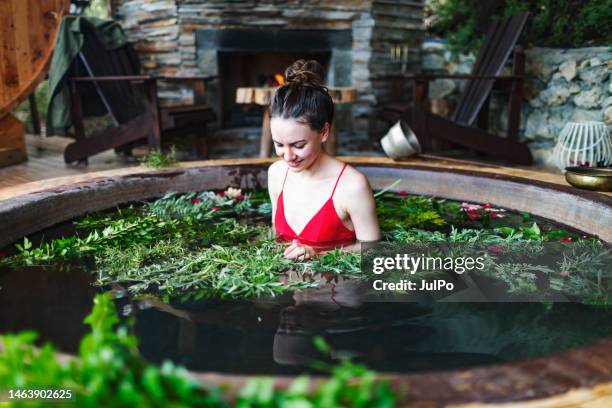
(468, 124)
(112, 78)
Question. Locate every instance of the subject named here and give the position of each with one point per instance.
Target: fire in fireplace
(238, 69)
(258, 57)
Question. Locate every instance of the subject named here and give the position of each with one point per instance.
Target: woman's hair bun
(303, 72)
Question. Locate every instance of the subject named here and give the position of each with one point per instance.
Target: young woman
(318, 202)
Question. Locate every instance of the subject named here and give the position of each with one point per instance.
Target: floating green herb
(157, 159)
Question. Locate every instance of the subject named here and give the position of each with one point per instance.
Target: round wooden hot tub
(580, 376)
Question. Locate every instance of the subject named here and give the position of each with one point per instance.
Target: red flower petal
(473, 216)
(492, 215)
(487, 205)
(495, 249)
(403, 193)
(328, 276)
(196, 200)
(215, 209)
(565, 239)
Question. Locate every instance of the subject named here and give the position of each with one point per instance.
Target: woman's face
(296, 143)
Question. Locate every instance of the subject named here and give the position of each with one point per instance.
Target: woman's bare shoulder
(355, 181)
(275, 172)
(352, 187)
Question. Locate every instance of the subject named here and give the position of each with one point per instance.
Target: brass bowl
(598, 179)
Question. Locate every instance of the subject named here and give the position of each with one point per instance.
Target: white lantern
(583, 144)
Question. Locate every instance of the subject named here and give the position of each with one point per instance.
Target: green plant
(554, 23)
(337, 262)
(225, 272)
(521, 278)
(171, 217)
(534, 233)
(408, 212)
(97, 8)
(482, 236)
(118, 233)
(585, 272)
(158, 159)
(108, 370)
(114, 260)
(198, 205)
(350, 385)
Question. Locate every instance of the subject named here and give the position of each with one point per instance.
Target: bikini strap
(337, 180)
(285, 179)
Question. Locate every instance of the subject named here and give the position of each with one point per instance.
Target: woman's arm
(361, 207)
(273, 186)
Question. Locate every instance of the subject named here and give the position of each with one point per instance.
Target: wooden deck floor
(46, 160)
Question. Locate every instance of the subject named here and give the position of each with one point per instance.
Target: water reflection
(275, 336)
(49, 301)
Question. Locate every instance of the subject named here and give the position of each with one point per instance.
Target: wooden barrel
(27, 37)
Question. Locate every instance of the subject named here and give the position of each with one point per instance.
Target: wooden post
(34, 113)
(420, 112)
(397, 90)
(516, 94)
(202, 141)
(199, 92)
(266, 134)
(483, 115)
(12, 141)
(154, 138)
(77, 116)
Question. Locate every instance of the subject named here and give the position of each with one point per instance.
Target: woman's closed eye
(297, 146)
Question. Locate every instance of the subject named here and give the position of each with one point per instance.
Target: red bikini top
(324, 230)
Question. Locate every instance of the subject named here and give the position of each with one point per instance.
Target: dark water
(275, 336)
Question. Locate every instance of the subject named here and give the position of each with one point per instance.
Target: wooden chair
(112, 79)
(468, 124)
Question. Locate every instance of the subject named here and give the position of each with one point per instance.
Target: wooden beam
(12, 134)
(136, 129)
(10, 156)
(478, 140)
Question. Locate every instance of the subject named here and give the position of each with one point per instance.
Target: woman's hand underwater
(299, 252)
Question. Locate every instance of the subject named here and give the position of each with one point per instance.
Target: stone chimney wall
(164, 33)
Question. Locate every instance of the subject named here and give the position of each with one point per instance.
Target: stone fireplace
(251, 57)
(245, 42)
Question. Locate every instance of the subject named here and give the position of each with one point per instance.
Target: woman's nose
(288, 154)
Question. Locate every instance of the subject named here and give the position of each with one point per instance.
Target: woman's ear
(325, 132)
